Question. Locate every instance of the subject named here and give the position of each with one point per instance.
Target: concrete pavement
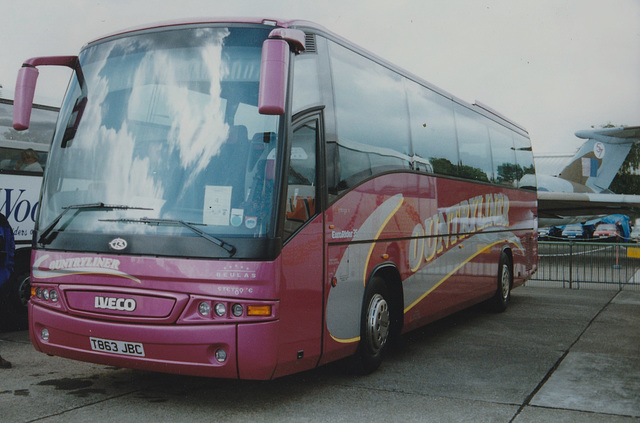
(555, 355)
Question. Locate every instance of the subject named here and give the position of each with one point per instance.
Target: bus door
(302, 255)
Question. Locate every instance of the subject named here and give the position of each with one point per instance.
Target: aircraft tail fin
(597, 162)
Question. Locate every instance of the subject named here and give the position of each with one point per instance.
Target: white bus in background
(23, 156)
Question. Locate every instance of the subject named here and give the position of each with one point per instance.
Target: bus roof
(196, 21)
(316, 28)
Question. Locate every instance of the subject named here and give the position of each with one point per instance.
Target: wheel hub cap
(378, 322)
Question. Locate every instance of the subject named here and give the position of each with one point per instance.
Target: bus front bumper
(244, 350)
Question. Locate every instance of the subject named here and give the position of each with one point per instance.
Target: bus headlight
(237, 310)
(204, 308)
(220, 309)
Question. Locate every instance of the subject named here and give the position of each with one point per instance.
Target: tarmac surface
(556, 355)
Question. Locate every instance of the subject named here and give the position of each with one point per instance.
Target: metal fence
(579, 265)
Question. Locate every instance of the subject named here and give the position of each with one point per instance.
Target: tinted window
(371, 106)
(505, 170)
(524, 158)
(473, 144)
(433, 129)
(301, 182)
(306, 82)
(371, 116)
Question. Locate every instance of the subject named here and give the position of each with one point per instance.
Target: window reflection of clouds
(198, 130)
(168, 114)
(160, 87)
(129, 177)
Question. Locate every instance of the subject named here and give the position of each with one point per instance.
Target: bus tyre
(17, 294)
(374, 327)
(22, 291)
(500, 300)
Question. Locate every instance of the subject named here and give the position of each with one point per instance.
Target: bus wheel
(374, 327)
(23, 290)
(15, 294)
(500, 300)
(19, 292)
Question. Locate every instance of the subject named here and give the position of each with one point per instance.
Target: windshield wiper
(191, 226)
(81, 207)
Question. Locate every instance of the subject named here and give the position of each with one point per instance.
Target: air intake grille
(310, 43)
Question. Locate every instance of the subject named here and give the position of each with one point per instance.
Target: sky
(552, 66)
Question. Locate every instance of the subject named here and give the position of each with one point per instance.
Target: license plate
(117, 347)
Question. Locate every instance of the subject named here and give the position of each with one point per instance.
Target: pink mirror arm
(68, 61)
(26, 86)
(294, 37)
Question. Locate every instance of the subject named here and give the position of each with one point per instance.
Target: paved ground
(556, 355)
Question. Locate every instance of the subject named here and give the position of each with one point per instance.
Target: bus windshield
(165, 125)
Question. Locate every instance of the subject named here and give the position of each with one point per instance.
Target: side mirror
(26, 86)
(23, 100)
(274, 69)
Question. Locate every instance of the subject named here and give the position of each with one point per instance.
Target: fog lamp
(221, 355)
(44, 333)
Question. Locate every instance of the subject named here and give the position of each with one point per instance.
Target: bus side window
(301, 186)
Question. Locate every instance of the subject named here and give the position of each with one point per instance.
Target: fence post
(570, 264)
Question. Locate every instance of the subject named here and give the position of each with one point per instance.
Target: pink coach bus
(253, 198)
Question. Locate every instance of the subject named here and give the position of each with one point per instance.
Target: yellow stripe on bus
(484, 248)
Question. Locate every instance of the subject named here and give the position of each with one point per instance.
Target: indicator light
(220, 309)
(204, 308)
(259, 310)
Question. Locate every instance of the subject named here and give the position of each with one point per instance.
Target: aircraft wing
(556, 208)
